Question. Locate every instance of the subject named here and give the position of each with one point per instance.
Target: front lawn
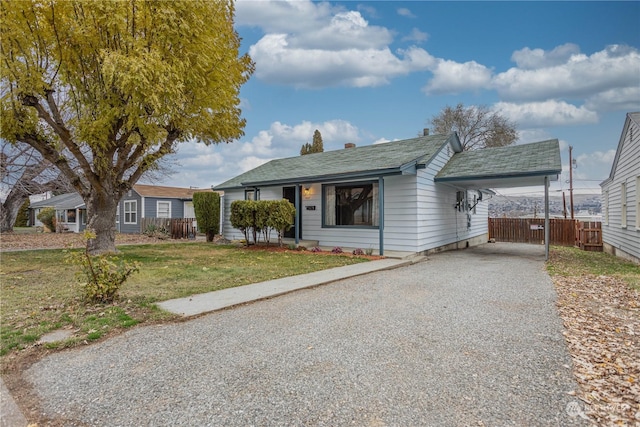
(39, 292)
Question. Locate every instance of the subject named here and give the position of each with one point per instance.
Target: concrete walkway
(10, 414)
(217, 300)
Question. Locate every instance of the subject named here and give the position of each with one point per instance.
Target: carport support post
(381, 213)
(547, 232)
(297, 215)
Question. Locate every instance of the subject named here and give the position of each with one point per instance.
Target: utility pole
(571, 179)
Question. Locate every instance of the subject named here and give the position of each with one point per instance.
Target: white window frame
(623, 204)
(638, 203)
(130, 210)
(163, 202)
(606, 207)
(118, 214)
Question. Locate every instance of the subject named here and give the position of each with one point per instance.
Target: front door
(289, 193)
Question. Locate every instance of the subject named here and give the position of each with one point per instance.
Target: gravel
(464, 338)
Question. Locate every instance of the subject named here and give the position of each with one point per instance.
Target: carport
(507, 167)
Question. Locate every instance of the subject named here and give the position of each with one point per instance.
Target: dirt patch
(31, 241)
(601, 316)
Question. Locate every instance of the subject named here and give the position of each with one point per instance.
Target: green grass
(569, 261)
(39, 291)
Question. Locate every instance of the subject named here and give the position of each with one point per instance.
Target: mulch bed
(602, 328)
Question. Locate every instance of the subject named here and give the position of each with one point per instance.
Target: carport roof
(511, 166)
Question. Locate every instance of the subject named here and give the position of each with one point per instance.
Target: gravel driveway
(464, 338)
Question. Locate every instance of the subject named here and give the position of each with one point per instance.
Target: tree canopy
(315, 147)
(477, 126)
(103, 90)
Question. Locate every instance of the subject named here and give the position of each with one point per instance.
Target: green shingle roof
(387, 158)
(535, 159)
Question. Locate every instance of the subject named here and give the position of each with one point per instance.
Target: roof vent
(349, 145)
(425, 132)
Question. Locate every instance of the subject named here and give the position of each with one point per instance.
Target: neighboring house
(142, 201)
(417, 195)
(71, 213)
(621, 195)
(152, 201)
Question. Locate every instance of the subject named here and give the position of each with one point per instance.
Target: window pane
(71, 215)
(351, 204)
(164, 210)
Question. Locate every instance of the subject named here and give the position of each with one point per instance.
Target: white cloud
(530, 59)
(619, 99)
(593, 166)
(314, 45)
(403, 11)
(546, 113)
(416, 36)
(578, 76)
(277, 62)
(455, 77)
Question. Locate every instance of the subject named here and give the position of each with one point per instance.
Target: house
(142, 201)
(621, 195)
(417, 195)
(153, 201)
(71, 212)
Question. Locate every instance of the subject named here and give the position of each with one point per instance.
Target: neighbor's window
(71, 215)
(606, 207)
(353, 204)
(164, 209)
(118, 214)
(252, 194)
(131, 212)
(623, 203)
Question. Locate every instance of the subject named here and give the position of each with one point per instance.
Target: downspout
(297, 215)
(546, 218)
(381, 214)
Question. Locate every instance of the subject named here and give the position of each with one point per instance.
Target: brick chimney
(349, 145)
(425, 132)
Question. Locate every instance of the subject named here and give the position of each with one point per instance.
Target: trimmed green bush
(47, 216)
(23, 215)
(259, 218)
(207, 209)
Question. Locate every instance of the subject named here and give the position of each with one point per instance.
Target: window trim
(348, 184)
(158, 202)
(254, 191)
(623, 204)
(638, 203)
(130, 211)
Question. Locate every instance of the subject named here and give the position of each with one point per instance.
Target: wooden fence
(178, 228)
(562, 232)
(589, 235)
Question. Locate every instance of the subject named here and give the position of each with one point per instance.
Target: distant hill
(522, 206)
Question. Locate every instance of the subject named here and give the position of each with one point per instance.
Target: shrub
(100, 275)
(260, 217)
(369, 251)
(336, 250)
(22, 218)
(292, 246)
(206, 205)
(315, 249)
(358, 251)
(47, 216)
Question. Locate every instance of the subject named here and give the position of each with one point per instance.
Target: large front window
(131, 212)
(353, 204)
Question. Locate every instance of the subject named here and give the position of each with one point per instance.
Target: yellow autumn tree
(104, 89)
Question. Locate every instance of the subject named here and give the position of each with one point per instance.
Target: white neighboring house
(417, 195)
(71, 212)
(621, 195)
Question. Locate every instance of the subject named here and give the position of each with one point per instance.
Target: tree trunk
(101, 214)
(9, 211)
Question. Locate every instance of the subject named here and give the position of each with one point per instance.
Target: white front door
(189, 212)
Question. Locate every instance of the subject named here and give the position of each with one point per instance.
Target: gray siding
(130, 228)
(439, 222)
(615, 235)
(151, 207)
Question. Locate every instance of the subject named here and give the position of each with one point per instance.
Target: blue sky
(376, 71)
